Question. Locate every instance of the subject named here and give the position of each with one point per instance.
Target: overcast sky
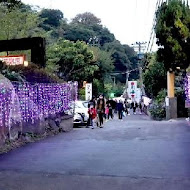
(129, 20)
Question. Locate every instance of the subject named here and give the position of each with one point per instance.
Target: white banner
(132, 89)
(88, 91)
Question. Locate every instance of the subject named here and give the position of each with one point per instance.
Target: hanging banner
(132, 89)
(88, 91)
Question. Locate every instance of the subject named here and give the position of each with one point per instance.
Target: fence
(28, 102)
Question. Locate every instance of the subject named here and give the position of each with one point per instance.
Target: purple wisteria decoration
(187, 88)
(36, 101)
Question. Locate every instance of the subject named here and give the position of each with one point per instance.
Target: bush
(34, 74)
(158, 109)
(160, 98)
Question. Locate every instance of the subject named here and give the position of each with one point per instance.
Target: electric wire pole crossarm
(127, 72)
(141, 47)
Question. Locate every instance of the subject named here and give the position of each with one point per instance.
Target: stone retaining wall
(34, 110)
(41, 128)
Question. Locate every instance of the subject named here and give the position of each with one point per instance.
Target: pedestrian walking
(92, 102)
(120, 109)
(125, 106)
(113, 107)
(107, 112)
(92, 115)
(110, 114)
(134, 106)
(101, 110)
(115, 110)
(140, 107)
(128, 108)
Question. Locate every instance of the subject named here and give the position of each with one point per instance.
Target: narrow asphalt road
(134, 154)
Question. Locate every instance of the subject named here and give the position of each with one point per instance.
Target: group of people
(99, 110)
(96, 111)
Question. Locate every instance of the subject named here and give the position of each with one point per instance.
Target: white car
(81, 115)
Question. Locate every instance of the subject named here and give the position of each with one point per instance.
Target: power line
(152, 34)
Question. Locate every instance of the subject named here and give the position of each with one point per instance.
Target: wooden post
(170, 81)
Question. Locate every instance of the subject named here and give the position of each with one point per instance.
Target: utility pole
(127, 72)
(127, 79)
(140, 47)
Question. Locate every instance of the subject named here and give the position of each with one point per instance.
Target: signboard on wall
(132, 89)
(88, 91)
(13, 60)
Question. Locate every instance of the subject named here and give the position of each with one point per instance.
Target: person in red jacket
(92, 115)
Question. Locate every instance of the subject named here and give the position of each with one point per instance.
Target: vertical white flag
(88, 91)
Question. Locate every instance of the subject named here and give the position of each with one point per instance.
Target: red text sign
(13, 60)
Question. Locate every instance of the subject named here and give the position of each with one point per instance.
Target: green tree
(173, 34)
(74, 60)
(85, 27)
(155, 77)
(18, 23)
(105, 65)
(104, 62)
(54, 23)
(123, 57)
(10, 3)
(52, 17)
(78, 32)
(86, 18)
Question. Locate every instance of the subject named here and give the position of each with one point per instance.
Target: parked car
(81, 113)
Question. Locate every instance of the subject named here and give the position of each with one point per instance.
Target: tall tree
(78, 32)
(74, 60)
(154, 77)
(104, 62)
(52, 17)
(173, 34)
(123, 57)
(105, 66)
(87, 26)
(86, 18)
(54, 23)
(18, 23)
(10, 3)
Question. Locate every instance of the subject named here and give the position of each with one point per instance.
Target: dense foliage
(74, 60)
(155, 77)
(173, 34)
(82, 50)
(32, 74)
(158, 108)
(10, 3)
